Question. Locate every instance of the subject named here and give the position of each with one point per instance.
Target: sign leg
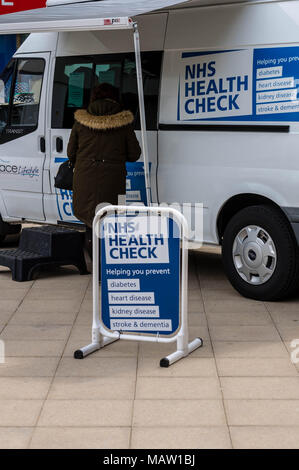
(86, 350)
(98, 341)
(180, 353)
(95, 345)
(195, 344)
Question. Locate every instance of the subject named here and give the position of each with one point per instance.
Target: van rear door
(23, 137)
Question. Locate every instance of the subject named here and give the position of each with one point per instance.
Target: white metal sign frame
(101, 337)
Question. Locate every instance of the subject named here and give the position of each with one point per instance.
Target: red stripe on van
(12, 6)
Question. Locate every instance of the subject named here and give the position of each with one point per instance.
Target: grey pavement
(240, 390)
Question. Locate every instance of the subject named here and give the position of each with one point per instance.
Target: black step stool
(46, 245)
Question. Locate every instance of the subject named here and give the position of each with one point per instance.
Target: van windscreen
(20, 93)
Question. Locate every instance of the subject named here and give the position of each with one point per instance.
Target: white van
(221, 93)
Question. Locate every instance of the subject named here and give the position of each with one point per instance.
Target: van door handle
(59, 145)
(42, 144)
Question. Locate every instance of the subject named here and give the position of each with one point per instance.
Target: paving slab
(81, 438)
(81, 413)
(15, 437)
(34, 348)
(12, 293)
(234, 306)
(29, 367)
(21, 413)
(209, 437)
(262, 412)
(244, 333)
(92, 388)
(265, 437)
(5, 316)
(35, 332)
(239, 318)
(40, 318)
(28, 388)
(250, 349)
(50, 306)
(178, 413)
(255, 367)
(187, 388)
(94, 366)
(261, 388)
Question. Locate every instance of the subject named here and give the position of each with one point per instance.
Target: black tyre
(8, 229)
(13, 229)
(260, 254)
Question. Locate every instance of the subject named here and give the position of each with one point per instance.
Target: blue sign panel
(239, 85)
(136, 191)
(140, 267)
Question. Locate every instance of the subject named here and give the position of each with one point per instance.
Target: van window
(20, 92)
(27, 92)
(5, 92)
(74, 79)
(76, 76)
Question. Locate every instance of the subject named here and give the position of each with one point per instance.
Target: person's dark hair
(104, 91)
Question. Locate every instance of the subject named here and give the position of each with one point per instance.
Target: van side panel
(207, 165)
(233, 25)
(212, 167)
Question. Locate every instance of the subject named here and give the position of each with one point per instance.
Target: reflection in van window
(27, 92)
(5, 91)
(109, 73)
(76, 76)
(74, 79)
(151, 69)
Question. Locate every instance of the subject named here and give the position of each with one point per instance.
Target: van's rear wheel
(260, 254)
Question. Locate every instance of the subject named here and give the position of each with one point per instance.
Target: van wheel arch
(239, 202)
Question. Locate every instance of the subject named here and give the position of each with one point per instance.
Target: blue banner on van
(239, 85)
(135, 192)
(276, 84)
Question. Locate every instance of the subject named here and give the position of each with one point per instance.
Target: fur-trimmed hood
(103, 123)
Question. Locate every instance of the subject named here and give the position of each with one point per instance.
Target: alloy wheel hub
(254, 255)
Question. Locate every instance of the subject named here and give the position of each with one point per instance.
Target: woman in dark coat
(101, 142)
